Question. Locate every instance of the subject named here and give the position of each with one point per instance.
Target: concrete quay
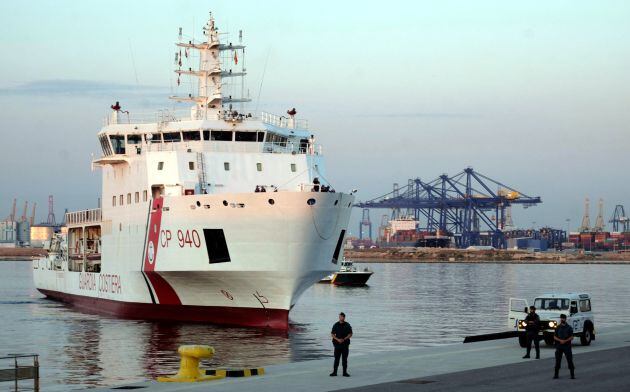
(484, 366)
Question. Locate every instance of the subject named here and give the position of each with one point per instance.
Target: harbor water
(405, 305)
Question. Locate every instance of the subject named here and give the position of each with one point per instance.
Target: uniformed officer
(531, 331)
(563, 337)
(341, 334)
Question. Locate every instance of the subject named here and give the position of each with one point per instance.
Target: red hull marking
(166, 295)
(153, 239)
(230, 316)
(165, 292)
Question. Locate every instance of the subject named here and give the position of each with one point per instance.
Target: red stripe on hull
(165, 293)
(232, 316)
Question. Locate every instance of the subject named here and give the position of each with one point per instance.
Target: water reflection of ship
(108, 352)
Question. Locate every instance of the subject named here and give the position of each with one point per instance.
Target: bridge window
(261, 136)
(274, 138)
(259, 166)
(118, 143)
(121, 201)
(293, 167)
(113, 201)
(226, 166)
(191, 165)
(221, 136)
(134, 139)
(206, 134)
(160, 165)
(105, 145)
(246, 136)
(171, 137)
(144, 195)
(137, 197)
(191, 136)
(128, 198)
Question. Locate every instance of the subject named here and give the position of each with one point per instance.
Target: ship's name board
(103, 283)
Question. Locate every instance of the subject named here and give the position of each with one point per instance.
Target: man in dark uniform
(563, 337)
(341, 334)
(531, 331)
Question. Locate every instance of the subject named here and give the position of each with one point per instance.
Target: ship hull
(165, 264)
(218, 315)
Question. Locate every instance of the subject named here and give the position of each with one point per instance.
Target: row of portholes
(310, 202)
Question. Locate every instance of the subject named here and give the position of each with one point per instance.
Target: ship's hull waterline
(167, 268)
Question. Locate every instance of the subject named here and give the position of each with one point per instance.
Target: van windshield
(552, 303)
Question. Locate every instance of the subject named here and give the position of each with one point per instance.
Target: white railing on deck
(283, 121)
(85, 216)
(219, 146)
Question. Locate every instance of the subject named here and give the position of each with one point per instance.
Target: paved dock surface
(605, 370)
(484, 366)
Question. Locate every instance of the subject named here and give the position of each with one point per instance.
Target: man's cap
(342, 314)
(563, 316)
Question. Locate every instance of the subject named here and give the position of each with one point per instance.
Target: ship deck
(484, 366)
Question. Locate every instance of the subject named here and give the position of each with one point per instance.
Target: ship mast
(216, 62)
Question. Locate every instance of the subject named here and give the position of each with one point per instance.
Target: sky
(533, 94)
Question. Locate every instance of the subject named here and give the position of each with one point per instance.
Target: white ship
(217, 216)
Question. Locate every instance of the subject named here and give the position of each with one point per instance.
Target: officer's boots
(555, 374)
(572, 374)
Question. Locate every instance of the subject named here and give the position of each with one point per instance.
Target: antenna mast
(210, 100)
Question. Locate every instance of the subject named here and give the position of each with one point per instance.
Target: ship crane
(461, 205)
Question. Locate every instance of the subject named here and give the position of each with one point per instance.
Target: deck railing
(85, 216)
(12, 371)
(283, 121)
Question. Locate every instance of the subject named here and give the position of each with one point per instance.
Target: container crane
(459, 205)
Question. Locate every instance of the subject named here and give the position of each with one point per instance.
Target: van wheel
(549, 339)
(587, 335)
(522, 340)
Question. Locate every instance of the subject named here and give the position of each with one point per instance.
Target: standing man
(563, 337)
(341, 334)
(531, 331)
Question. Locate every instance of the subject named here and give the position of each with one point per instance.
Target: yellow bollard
(189, 366)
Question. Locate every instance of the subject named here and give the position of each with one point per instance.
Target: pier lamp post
(568, 220)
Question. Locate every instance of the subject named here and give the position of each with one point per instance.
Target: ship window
(144, 195)
(137, 197)
(134, 139)
(216, 246)
(259, 166)
(171, 137)
(293, 167)
(191, 165)
(128, 198)
(114, 201)
(206, 134)
(160, 165)
(118, 143)
(245, 136)
(226, 166)
(191, 136)
(222, 136)
(274, 138)
(151, 138)
(261, 136)
(121, 200)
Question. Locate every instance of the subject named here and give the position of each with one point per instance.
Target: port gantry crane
(460, 205)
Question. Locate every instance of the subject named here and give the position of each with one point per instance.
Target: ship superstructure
(218, 215)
